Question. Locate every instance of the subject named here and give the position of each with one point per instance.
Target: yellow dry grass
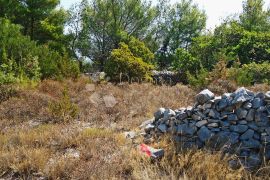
(32, 145)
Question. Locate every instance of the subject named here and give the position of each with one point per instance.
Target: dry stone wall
(236, 123)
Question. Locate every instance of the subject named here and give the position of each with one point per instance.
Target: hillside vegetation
(38, 141)
(58, 123)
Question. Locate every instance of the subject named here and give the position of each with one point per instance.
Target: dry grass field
(74, 130)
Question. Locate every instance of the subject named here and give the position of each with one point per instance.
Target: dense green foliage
(254, 18)
(123, 62)
(251, 73)
(103, 24)
(185, 62)
(245, 40)
(198, 80)
(139, 49)
(17, 54)
(22, 59)
(132, 38)
(178, 24)
(39, 19)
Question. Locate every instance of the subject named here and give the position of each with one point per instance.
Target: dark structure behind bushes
(169, 77)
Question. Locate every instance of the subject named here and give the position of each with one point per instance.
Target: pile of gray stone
(236, 123)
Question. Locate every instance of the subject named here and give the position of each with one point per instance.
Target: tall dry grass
(91, 146)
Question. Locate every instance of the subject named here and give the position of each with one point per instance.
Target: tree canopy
(102, 33)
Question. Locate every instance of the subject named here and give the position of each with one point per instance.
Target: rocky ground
(76, 130)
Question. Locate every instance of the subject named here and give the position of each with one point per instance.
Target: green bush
(199, 80)
(123, 61)
(139, 49)
(69, 68)
(251, 73)
(56, 66)
(249, 46)
(48, 61)
(18, 59)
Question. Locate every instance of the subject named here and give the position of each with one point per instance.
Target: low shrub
(7, 92)
(63, 110)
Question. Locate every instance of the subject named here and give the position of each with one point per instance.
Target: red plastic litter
(151, 152)
(144, 148)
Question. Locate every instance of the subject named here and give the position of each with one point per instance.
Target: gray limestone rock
(222, 104)
(204, 134)
(145, 123)
(201, 123)
(256, 136)
(239, 128)
(232, 117)
(251, 143)
(185, 129)
(260, 95)
(234, 164)
(159, 114)
(256, 103)
(215, 130)
(168, 113)
(267, 95)
(267, 130)
(247, 135)
(204, 96)
(130, 135)
(243, 122)
(226, 96)
(225, 123)
(259, 116)
(149, 127)
(233, 137)
(196, 117)
(207, 106)
(253, 161)
(214, 114)
(182, 115)
(212, 125)
(189, 111)
(241, 95)
(163, 128)
(240, 120)
(252, 125)
(251, 115)
(241, 113)
(247, 105)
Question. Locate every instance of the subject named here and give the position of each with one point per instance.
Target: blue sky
(216, 9)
